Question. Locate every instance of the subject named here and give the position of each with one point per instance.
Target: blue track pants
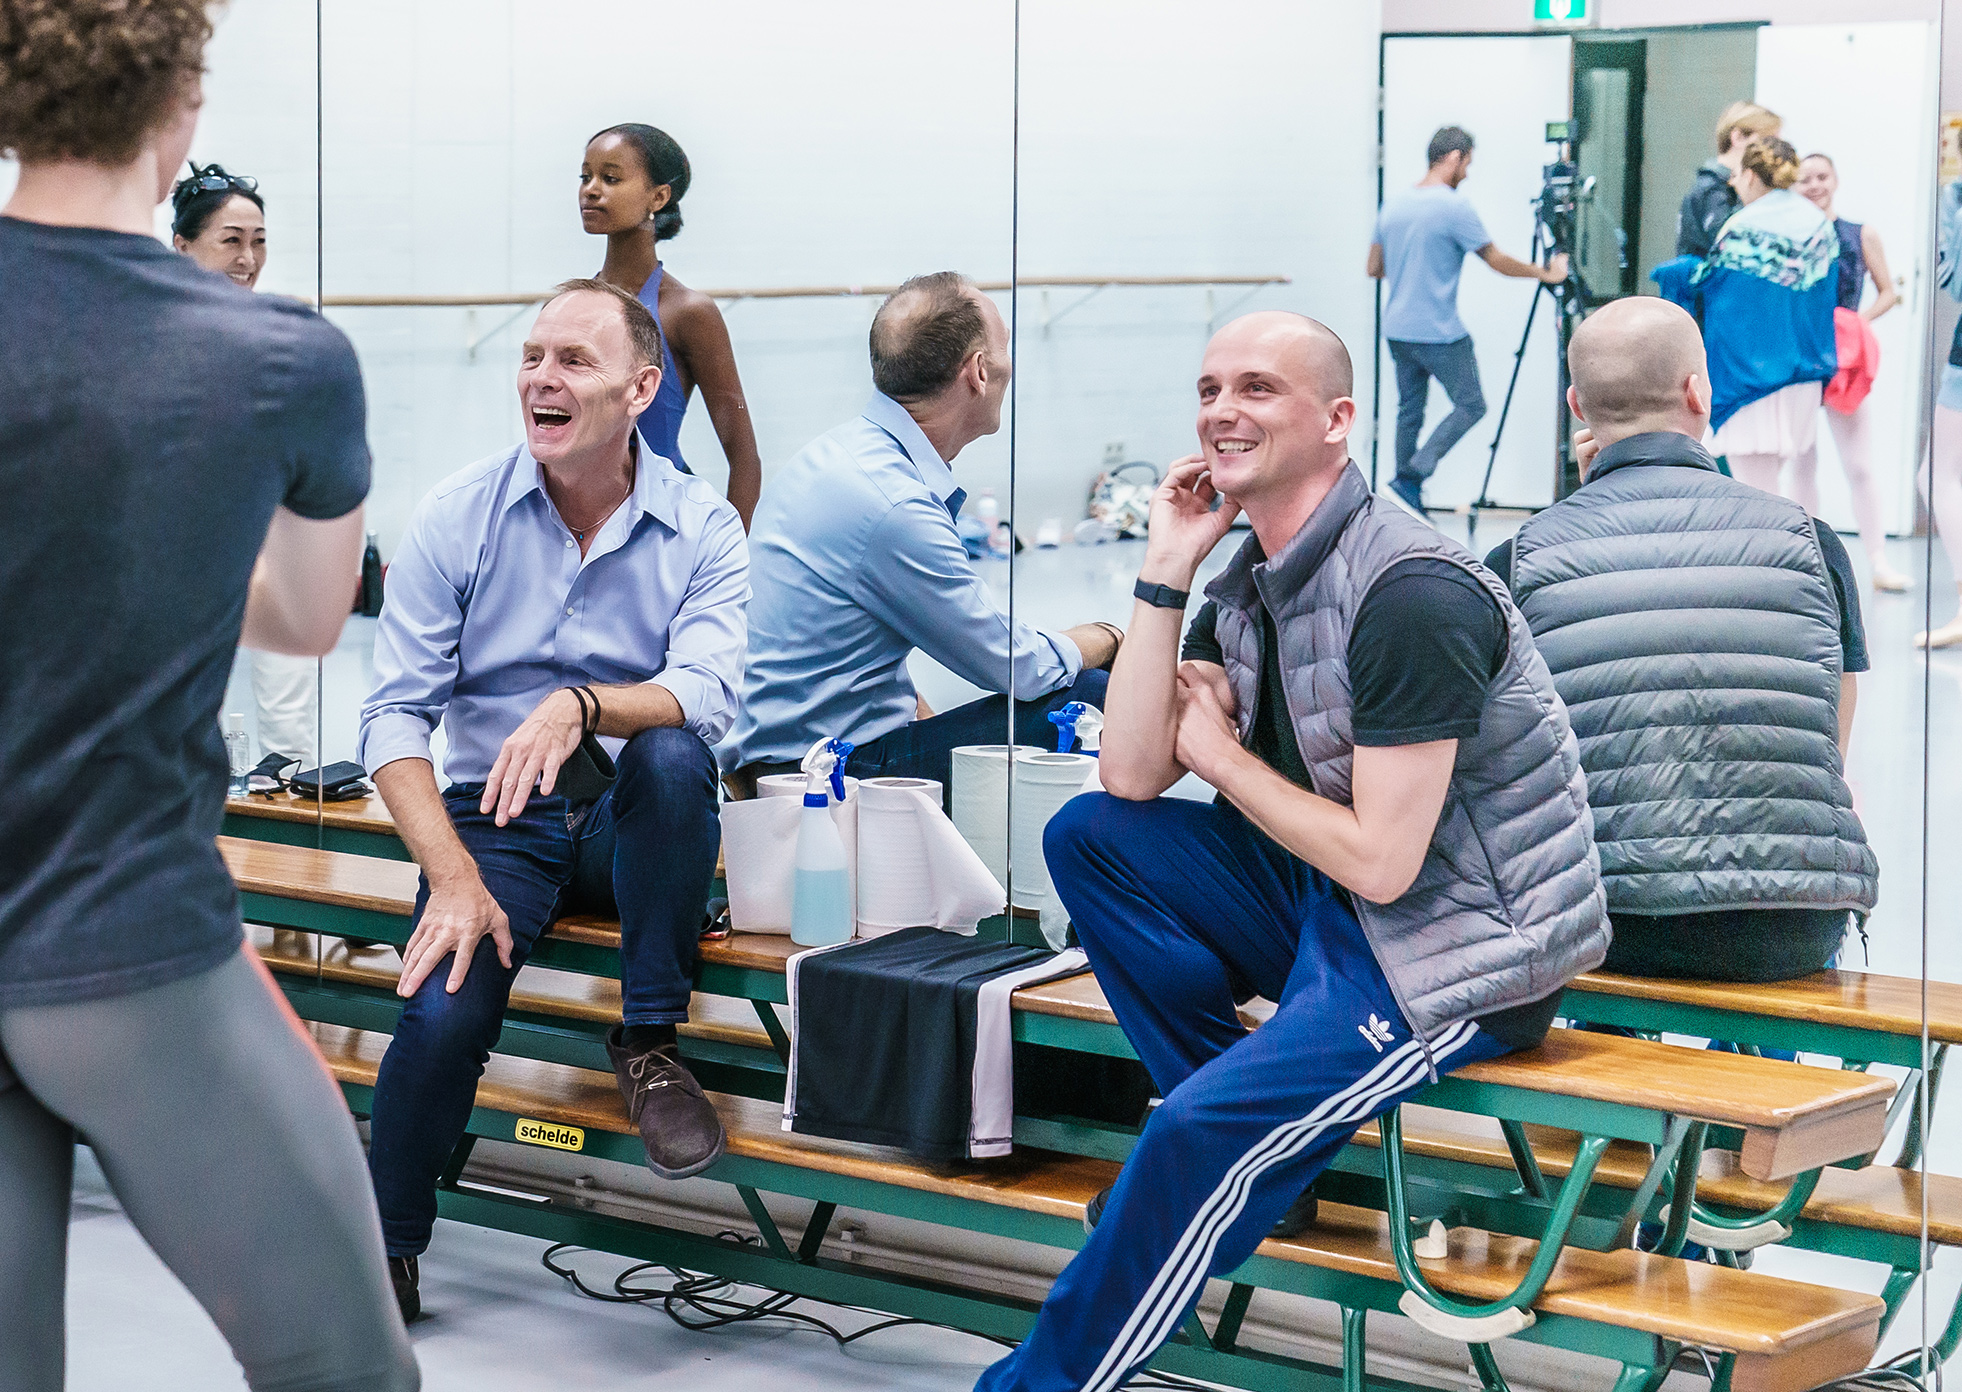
(1178, 904)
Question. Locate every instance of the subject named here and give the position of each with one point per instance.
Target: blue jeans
(925, 748)
(1456, 368)
(645, 850)
(1178, 904)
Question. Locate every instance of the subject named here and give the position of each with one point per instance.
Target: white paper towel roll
(981, 800)
(759, 850)
(915, 869)
(1043, 783)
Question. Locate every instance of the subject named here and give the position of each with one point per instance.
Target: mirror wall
(420, 168)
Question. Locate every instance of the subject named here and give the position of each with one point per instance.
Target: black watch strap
(1161, 596)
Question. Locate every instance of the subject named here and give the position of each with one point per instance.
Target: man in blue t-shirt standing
(1422, 237)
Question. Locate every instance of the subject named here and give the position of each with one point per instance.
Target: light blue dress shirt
(856, 563)
(490, 608)
(1426, 234)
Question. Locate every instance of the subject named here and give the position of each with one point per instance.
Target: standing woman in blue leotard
(630, 187)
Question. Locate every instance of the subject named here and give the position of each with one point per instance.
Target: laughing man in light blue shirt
(856, 562)
(578, 584)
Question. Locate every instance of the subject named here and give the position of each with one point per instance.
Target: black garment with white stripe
(904, 1040)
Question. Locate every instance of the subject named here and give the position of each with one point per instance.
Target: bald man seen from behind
(1705, 636)
(1401, 859)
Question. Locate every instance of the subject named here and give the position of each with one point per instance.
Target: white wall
(848, 144)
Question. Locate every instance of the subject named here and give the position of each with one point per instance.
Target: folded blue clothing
(905, 1040)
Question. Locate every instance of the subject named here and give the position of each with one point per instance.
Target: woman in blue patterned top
(1769, 287)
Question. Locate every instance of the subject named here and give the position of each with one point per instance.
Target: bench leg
(1910, 1155)
(779, 1039)
(1477, 1324)
(1487, 1368)
(1355, 1350)
(1647, 1377)
(453, 1167)
(1681, 1135)
(1226, 1330)
(1744, 1234)
(807, 1250)
(765, 1224)
(1524, 1161)
(1900, 1281)
(1943, 1348)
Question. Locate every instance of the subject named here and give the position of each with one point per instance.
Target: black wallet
(342, 782)
(587, 773)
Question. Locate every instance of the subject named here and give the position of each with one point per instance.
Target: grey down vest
(1692, 629)
(1507, 906)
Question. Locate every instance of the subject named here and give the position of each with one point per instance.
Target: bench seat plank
(1753, 1315)
(538, 990)
(1855, 1000)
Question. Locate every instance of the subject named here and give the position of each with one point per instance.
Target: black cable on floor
(713, 1298)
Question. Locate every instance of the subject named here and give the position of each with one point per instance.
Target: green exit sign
(1560, 12)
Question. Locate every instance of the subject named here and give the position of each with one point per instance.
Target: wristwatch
(1161, 596)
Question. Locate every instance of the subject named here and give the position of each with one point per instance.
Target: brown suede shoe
(678, 1125)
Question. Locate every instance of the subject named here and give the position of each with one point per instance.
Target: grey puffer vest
(1507, 907)
(1693, 631)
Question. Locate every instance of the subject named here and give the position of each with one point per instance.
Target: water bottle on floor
(821, 893)
(238, 752)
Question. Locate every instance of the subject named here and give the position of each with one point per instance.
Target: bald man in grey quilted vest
(1705, 636)
(1401, 855)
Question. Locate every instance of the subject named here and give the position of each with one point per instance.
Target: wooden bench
(1776, 1336)
(1870, 1214)
(1788, 1119)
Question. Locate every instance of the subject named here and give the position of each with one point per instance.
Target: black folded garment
(904, 1040)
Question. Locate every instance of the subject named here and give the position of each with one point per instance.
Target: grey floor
(505, 1323)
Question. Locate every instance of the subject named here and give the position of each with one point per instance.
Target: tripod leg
(1484, 499)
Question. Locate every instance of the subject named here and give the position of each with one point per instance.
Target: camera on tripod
(1562, 194)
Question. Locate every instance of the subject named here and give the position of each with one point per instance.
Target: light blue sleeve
(709, 634)
(416, 649)
(1470, 227)
(917, 579)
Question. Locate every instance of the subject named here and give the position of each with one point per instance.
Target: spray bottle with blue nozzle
(821, 897)
(1081, 722)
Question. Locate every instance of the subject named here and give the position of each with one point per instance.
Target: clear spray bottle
(821, 895)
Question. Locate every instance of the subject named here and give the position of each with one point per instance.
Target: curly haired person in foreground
(181, 459)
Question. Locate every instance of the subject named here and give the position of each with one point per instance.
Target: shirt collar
(650, 493)
(1650, 447)
(897, 422)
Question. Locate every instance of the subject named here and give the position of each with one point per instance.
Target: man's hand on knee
(459, 913)
(532, 755)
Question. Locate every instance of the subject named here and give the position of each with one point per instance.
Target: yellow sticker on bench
(547, 1133)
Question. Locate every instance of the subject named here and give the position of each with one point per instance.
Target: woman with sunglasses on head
(219, 221)
(1861, 257)
(630, 187)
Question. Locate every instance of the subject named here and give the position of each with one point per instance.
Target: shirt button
(568, 541)
(568, 613)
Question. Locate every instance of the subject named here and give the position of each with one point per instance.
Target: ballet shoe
(1891, 581)
(1947, 636)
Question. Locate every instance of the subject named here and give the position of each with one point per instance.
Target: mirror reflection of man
(856, 563)
(575, 584)
(1706, 636)
(1423, 235)
(1401, 854)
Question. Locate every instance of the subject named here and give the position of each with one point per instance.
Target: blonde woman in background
(219, 221)
(1711, 199)
(1861, 257)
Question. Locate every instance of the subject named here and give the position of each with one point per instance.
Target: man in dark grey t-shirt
(159, 426)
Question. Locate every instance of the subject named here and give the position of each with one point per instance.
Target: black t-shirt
(1764, 944)
(1427, 641)
(152, 416)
